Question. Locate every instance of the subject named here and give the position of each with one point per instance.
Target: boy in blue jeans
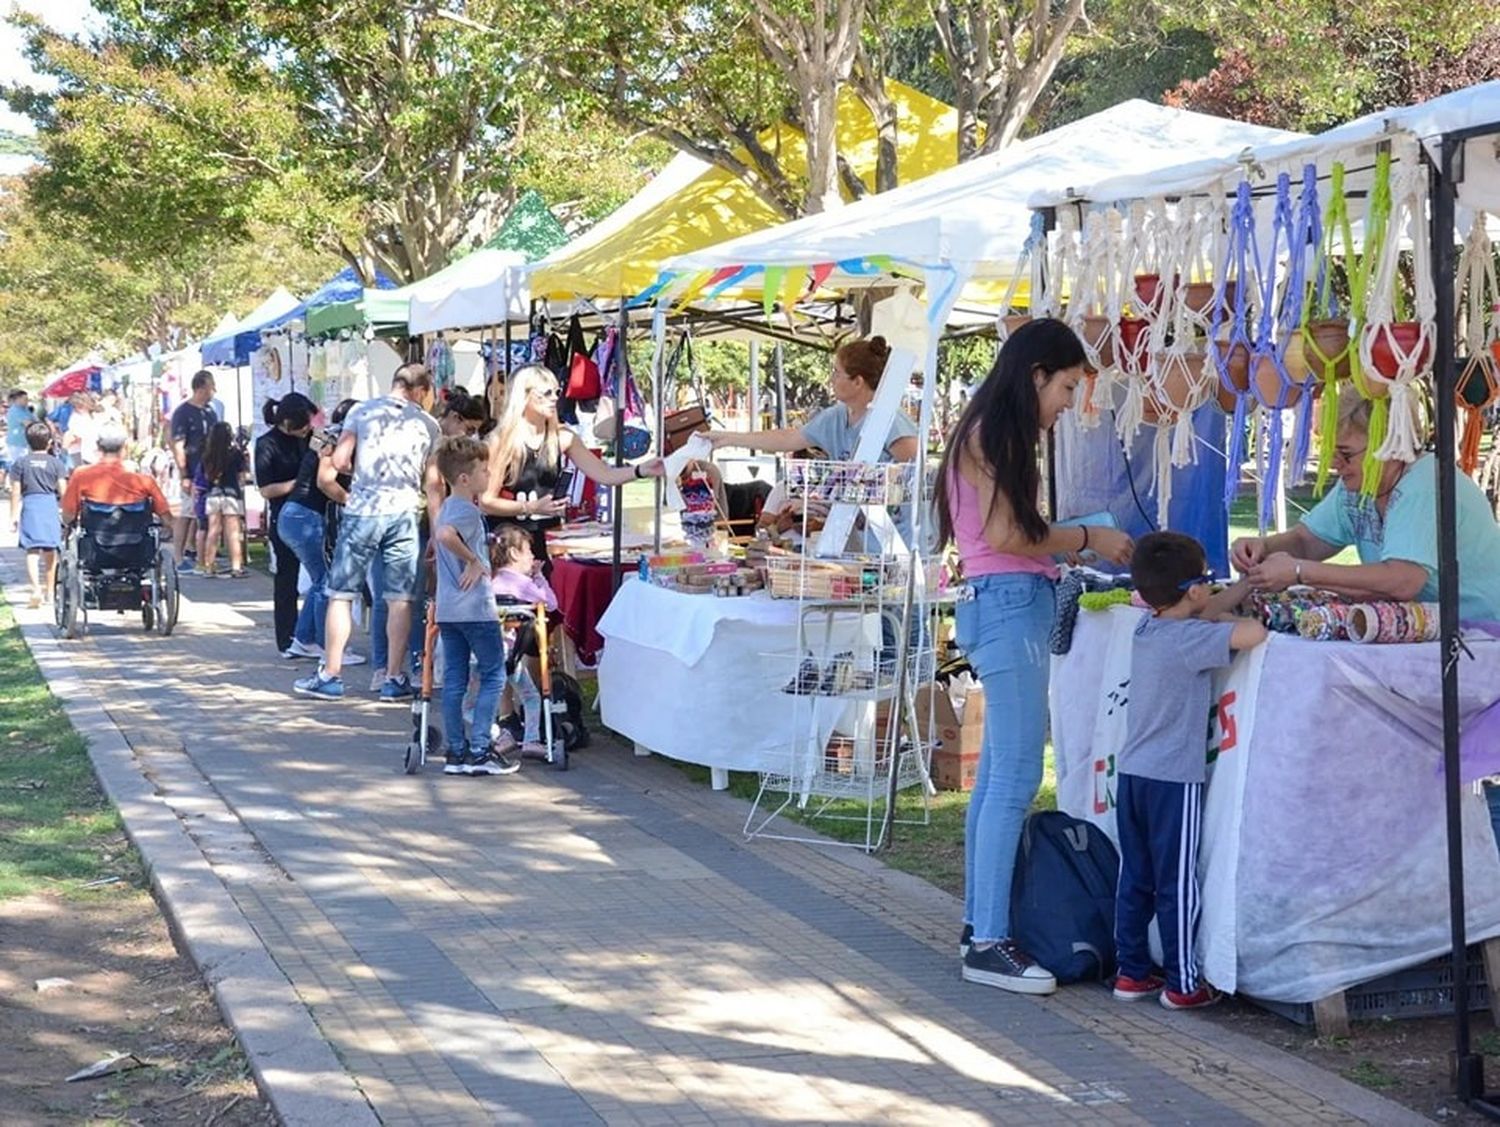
(1162, 765)
(465, 615)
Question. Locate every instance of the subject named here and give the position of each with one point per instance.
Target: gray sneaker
(494, 763)
(396, 689)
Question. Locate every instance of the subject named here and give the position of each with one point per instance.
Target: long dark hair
(217, 452)
(1005, 414)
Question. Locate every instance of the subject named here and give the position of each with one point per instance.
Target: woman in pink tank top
(988, 508)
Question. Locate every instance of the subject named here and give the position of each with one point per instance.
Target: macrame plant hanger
(1082, 264)
(1239, 252)
(1009, 319)
(1327, 341)
(1479, 379)
(1405, 345)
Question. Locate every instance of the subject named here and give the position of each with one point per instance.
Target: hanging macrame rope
(1399, 439)
(1306, 238)
(1238, 252)
(1322, 306)
(1036, 242)
(1479, 381)
(1276, 326)
(1087, 298)
(1134, 335)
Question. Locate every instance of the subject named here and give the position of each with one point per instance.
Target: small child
(36, 479)
(220, 485)
(466, 612)
(1159, 788)
(518, 579)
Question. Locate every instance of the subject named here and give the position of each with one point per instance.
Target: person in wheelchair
(108, 482)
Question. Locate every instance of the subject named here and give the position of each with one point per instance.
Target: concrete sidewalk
(601, 945)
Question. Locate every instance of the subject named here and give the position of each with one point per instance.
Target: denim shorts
(392, 537)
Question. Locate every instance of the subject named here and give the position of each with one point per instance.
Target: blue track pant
(1158, 824)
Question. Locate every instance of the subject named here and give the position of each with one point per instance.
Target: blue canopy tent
(232, 349)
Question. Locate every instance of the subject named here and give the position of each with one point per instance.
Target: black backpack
(1062, 899)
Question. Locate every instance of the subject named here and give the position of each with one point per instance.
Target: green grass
(1369, 1074)
(1245, 521)
(57, 830)
(934, 852)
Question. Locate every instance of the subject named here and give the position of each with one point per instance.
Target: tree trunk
(869, 82)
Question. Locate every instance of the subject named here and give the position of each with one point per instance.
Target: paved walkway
(603, 945)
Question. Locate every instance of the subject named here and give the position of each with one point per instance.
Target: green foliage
(1309, 65)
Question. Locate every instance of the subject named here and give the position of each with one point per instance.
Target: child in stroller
(517, 583)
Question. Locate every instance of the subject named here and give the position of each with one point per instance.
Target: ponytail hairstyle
(217, 451)
(294, 411)
(1003, 424)
(864, 359)
(342, 410)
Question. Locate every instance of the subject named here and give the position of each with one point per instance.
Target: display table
(582, 562)
(1323, 856)
(583, 594)
(695, 678)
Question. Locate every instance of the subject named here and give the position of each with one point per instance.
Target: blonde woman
(527, 450)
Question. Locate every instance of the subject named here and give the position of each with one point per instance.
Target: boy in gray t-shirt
(466, 618)
(1161, 767)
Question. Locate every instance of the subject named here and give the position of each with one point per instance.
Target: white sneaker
(377, 680)
(309, 650)
(350, 658)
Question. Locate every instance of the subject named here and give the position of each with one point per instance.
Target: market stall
(692, 678)
(1323, 865)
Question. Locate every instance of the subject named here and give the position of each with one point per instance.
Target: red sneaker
(1205, 995)
(1129, 989)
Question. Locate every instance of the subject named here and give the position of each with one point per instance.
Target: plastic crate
(1424, 991)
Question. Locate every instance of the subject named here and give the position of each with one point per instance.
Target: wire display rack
(878, 749)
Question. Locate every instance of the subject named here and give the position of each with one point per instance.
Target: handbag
(583, 373)
(634, 437)
(680, 425)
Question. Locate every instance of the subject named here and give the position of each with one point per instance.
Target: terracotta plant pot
(1097, 336)
(1294, 359)
(1474, 374)
(1199, 296)
(1134, 341)
(1330, 338)
(1268, 384)
(1226, 399)
(1237, 364)
(1148, 290)
(1405, 334)
(1172, 389)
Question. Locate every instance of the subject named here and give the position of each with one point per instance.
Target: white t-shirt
(393, 439)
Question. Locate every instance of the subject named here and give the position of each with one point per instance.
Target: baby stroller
(562, 728)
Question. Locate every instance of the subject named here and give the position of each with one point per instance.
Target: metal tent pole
(1468, 1066)
(754, 385)
(622, 373)
(780, 359)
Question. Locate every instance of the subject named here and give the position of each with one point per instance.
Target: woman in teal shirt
(1395, 534)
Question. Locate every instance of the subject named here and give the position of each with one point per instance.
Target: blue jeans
(1003, 630)
(482, 640)
(390, 538)
(379, 612)
(301, 530)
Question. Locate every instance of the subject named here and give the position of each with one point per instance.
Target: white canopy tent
(973, 219)
(487, 287)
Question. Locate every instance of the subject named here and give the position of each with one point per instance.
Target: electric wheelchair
(114, 559)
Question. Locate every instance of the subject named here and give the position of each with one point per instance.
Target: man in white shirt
(386, 442)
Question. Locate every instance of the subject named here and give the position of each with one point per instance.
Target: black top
(306, 492)
(535, 479)
(278, 458)
(190, 424)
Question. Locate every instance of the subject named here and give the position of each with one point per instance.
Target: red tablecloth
(583, 595)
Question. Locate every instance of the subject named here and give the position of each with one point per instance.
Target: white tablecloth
(696, 677)
(1324, 847)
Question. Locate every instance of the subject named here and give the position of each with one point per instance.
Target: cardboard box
(955, 745)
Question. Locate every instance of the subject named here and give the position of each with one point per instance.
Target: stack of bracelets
(1323, 617)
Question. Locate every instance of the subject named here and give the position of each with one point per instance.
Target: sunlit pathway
(602, 945)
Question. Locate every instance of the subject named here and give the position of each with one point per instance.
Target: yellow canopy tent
(691, 204)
